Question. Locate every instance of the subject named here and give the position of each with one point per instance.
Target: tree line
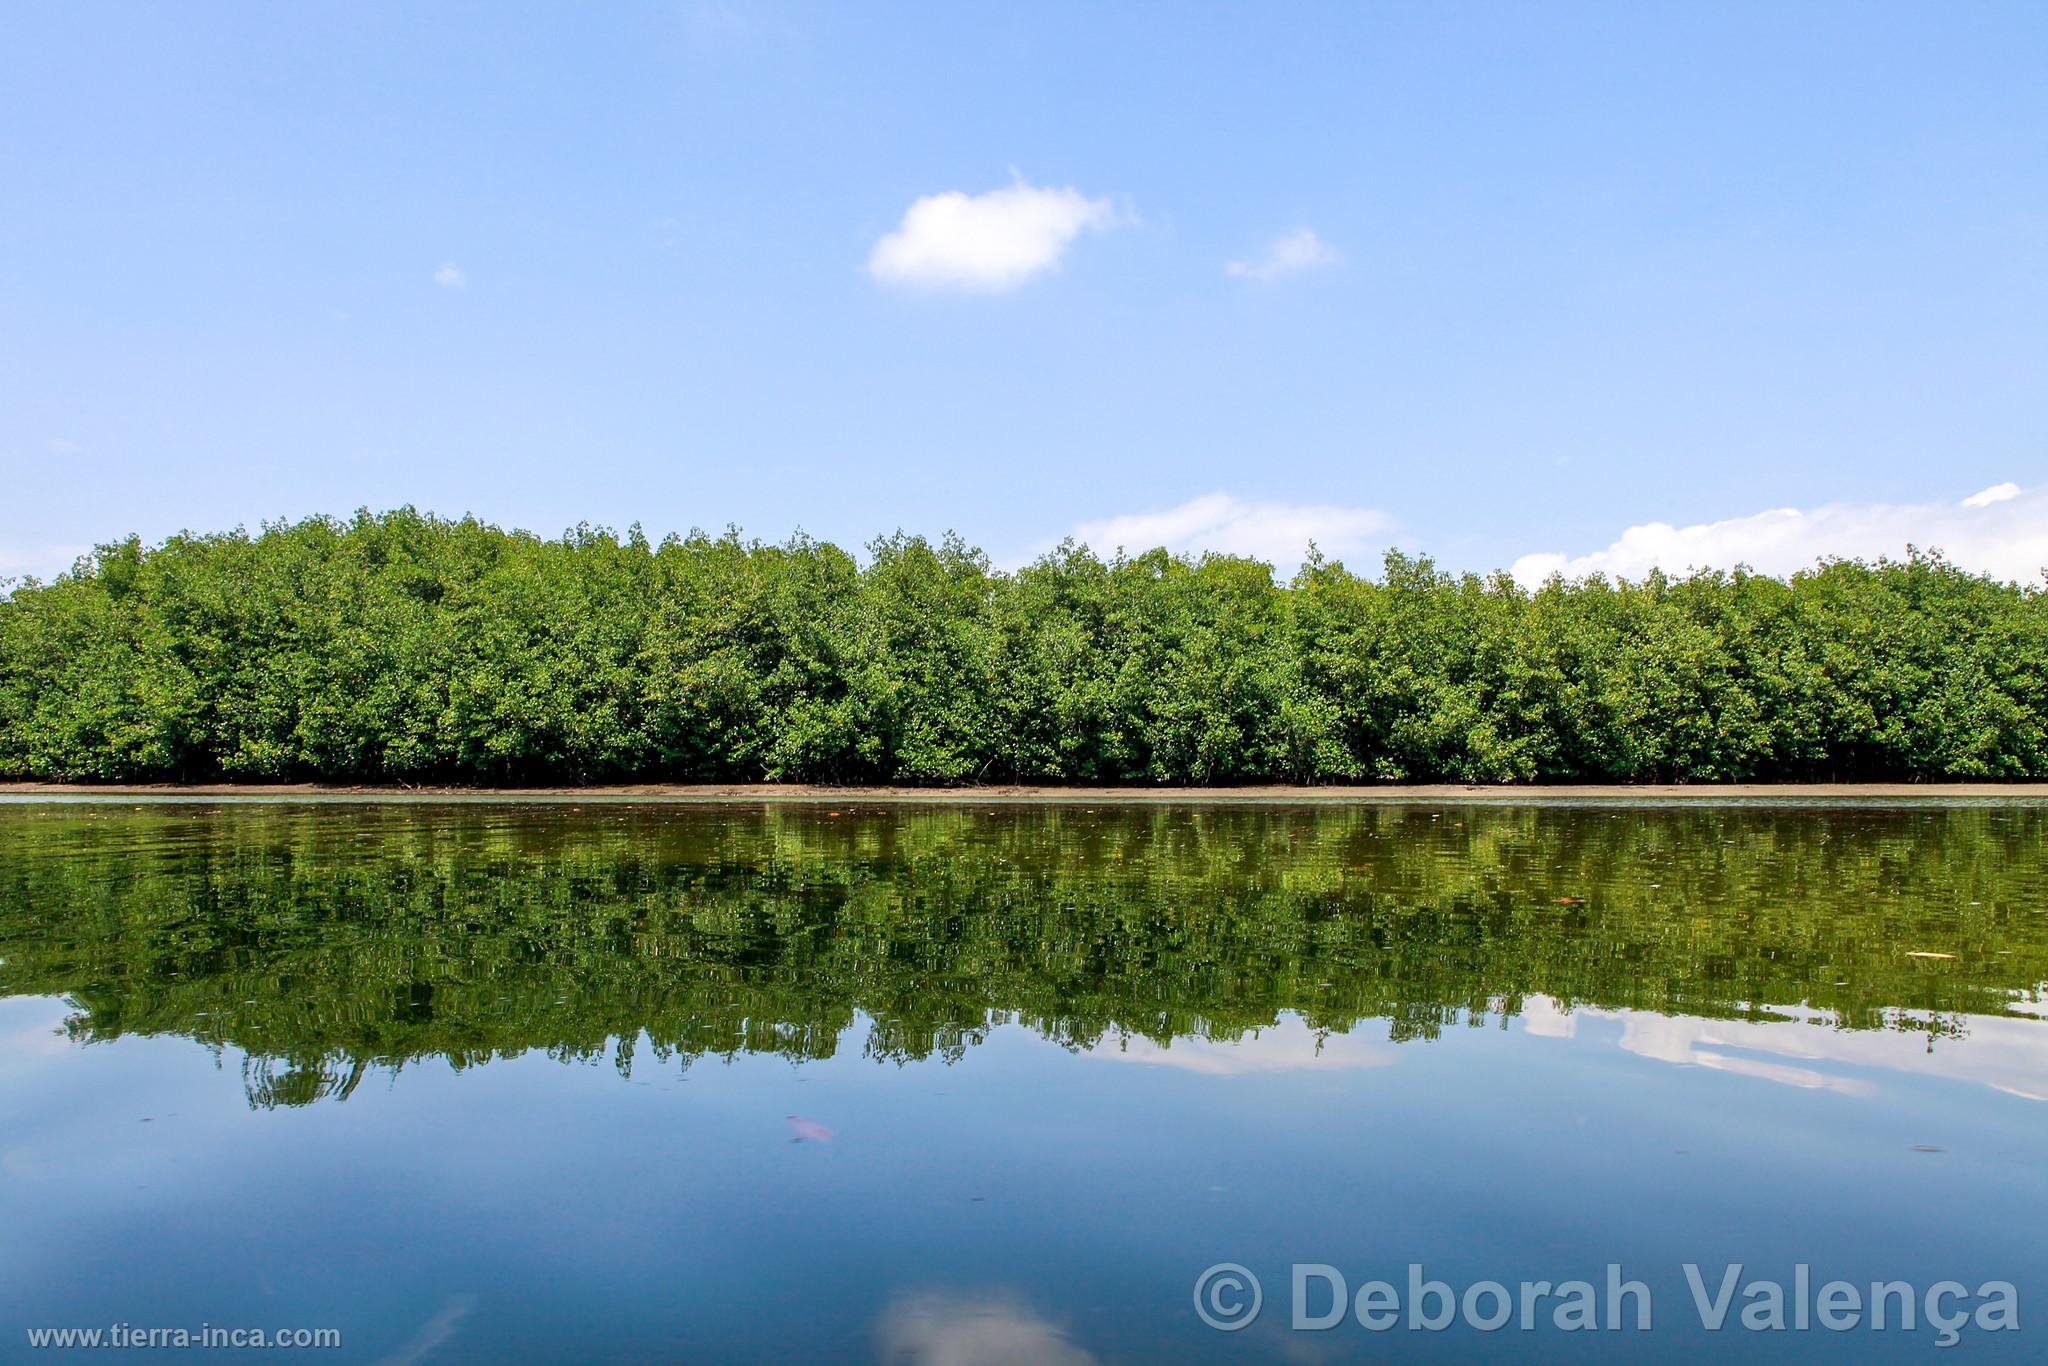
(403, 647)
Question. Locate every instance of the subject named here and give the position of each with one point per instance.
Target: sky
(1560, 287)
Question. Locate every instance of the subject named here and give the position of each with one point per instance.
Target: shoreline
(1259, 794)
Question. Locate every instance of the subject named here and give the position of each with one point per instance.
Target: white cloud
(2001, 531)
(1298, 250)
(451, 276)
(1997, 493)
(1278, 533)
(989, 242)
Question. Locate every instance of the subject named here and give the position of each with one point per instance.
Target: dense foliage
(326, 941)
(402, 647)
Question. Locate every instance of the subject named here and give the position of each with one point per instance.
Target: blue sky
(1510, 280)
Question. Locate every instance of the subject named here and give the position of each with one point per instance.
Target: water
(496, 1081)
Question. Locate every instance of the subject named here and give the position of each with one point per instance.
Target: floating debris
(1926, 953)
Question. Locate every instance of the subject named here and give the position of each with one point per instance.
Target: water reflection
(433, 1334)
(940, 1328)
(1289, 1045)
(324, 943)
(2004, 1054)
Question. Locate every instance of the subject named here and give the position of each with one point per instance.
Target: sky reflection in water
(513, 1083)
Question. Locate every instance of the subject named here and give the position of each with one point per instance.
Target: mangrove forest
(403, 647)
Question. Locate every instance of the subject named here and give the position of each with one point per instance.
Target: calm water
(509, 1082)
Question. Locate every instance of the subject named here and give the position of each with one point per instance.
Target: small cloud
(987, 242)
(1997, 493)
(2002, 531)
(1297, 251)
(451, 276)
(1278, 533)
(61, 446)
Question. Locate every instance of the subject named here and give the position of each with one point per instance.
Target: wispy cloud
(1997, 493)
(451, 276)
(1298, 251)
(2002, 530)
(986, 242)
(1278, 533)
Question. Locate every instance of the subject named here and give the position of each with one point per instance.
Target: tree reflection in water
(323, 941)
